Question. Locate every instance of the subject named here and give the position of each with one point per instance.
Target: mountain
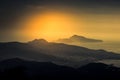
(58, 53)
(33, 67)
(100, 70)
(78, 39)
(17, 69)
(38, 41)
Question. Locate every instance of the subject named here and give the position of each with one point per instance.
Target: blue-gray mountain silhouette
(17, 69)
(78, 39)
(59, 53)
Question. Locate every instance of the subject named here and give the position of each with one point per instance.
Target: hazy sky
(23, 20)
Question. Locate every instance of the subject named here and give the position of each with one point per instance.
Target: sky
(24, 20)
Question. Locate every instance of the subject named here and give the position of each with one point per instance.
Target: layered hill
(17, 69)
(59, 53)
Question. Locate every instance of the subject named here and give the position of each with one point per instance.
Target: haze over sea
(112, 46)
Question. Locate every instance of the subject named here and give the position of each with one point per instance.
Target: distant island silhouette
(78, 39)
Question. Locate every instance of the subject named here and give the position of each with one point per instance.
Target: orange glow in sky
(50, 26)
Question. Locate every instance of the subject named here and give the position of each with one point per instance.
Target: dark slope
(18, 69)
(41, 50)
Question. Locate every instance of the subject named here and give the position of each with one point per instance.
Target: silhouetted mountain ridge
(59, 53)
(38, 41)
(78, 39)
(36, 70)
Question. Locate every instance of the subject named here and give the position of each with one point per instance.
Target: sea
(110, 46)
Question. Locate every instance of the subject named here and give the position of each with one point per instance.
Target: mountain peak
(77, 36)
(78, 39)
(39, 41)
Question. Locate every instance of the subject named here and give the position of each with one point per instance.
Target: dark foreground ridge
(18, 69)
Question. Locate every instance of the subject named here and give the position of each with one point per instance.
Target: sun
(49, 25)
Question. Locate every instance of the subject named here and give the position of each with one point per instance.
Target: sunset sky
(24, 20)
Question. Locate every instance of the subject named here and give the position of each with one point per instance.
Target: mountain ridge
(58, 53)
(78, 39)
(36, 70)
